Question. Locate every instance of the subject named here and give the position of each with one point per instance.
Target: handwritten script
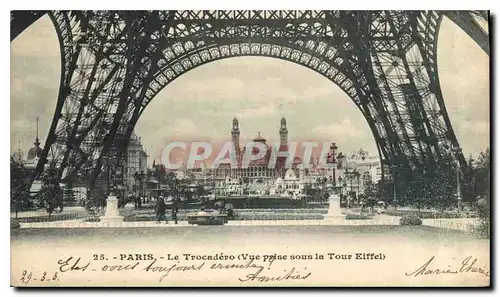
(252, 271)
(467, 265)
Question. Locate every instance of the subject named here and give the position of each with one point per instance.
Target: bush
(355, 216)
(483, 229)
(14, 224)
(410, 220)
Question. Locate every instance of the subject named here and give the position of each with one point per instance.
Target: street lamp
(455, 152)
(340, 161)
(357, 174)
(333, 150)
(110, 181)
(393, 167)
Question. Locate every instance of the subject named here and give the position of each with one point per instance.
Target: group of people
(161, 209)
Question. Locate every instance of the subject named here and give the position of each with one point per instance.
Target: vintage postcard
(250, 148)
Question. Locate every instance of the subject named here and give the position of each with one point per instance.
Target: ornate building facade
(257, 171)
(135, 165)
(360, 170)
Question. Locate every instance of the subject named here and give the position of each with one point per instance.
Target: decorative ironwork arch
(319, 58)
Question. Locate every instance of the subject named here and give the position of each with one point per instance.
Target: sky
(201, 104)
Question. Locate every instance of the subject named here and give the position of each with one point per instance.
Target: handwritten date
(29, 277)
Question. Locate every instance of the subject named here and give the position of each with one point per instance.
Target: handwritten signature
(291, 274)
(468, 265)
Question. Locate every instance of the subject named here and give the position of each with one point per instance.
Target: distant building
(136, 162)
(360, 170)
(257, 170)
(290, 185)
(257, 178)
(31, 161)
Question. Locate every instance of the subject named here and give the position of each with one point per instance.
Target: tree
(97, 196)
(482, 172)
(69, 193)
(50, 195)
(372, 190)
(469, 180)
(433, 186)
(19, 186)
(482, 186)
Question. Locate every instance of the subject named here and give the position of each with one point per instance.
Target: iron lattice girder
(115, 62)
(468, 21)
(21, 19)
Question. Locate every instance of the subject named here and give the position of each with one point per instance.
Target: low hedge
(410, 220)
(277, 216)
(356, 216)
(53, 218)
(238, 217)
(430, 214)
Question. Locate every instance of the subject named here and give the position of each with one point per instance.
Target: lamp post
(459, 192)
(395, 198)
(138, 189)
(111, 214)
(110, 160)
(333, 150)
(350, 173)
(340, 163)
(455, 152)
(356, 174)
(140, 179)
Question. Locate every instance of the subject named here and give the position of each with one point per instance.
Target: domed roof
(34, 152)
(279, 180)
(134, 139)
(259, 139)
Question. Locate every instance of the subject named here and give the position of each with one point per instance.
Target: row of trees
(50, 197)
(19, 186)
(437, 187)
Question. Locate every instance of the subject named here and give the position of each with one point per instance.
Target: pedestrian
(175, 210)
(160, 210)
(136, 202)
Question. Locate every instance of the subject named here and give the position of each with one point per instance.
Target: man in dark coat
(160, 210)
(175, 210)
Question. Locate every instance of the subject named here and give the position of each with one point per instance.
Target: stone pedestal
(334, 211)
(111, 216)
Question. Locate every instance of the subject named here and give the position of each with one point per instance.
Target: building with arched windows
(135, 166)
(360, 170)
(256, 176)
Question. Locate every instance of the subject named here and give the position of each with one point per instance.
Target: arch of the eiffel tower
(114, 63)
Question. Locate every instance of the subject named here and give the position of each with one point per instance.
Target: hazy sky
(201, 104)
